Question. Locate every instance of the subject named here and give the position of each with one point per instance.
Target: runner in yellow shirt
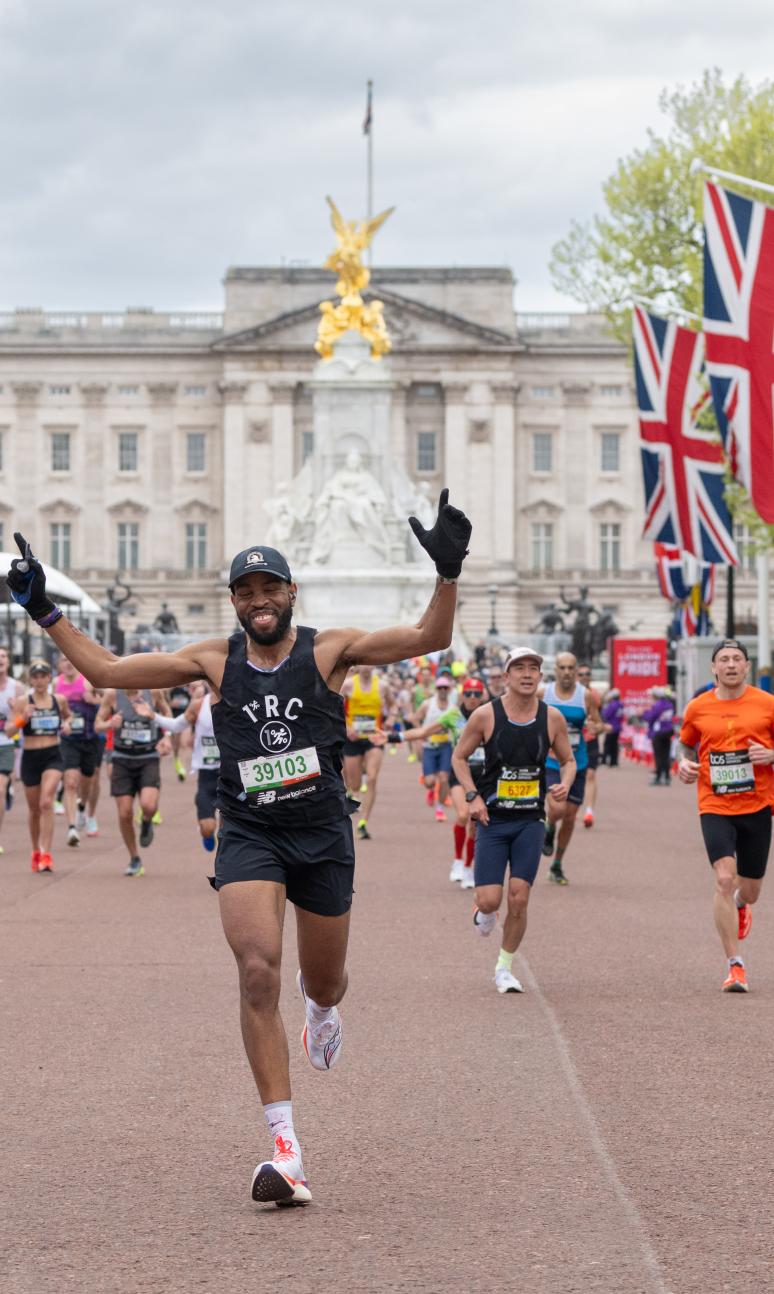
(367, 699)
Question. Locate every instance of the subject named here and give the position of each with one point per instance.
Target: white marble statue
(351, 508)
(288, 508)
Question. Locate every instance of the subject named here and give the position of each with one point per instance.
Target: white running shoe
(321, 1042)
(484, 922)
(457, 870)
(92, 829)
(281, 1180)
(80, 819)
(58, 808)
(72, 836)
(468, 882)
(507, 983)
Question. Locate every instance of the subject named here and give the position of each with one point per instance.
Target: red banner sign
(638, 664)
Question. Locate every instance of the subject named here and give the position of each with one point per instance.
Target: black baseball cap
(259, 558)
(731, 642)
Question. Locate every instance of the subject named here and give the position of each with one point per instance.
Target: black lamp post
(493, 590)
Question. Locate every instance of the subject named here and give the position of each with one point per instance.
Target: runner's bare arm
(336, 649)
(594, 718)
(102, 668)
(560, 744)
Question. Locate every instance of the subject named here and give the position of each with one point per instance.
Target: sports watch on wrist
(470, 796)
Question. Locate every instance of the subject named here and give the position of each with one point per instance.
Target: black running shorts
(592, 746)
(358, 748)
(745, 836)
(206, 791)
(134, 776)
(82, 753)
(315, 864)
(34, 763)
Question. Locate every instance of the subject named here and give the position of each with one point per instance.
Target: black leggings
(662, 744)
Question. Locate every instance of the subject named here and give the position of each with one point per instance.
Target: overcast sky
(149, 144)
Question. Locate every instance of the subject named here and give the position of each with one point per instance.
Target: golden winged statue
(346, 261)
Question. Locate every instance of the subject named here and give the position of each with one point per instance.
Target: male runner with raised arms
(580, 708)
(517, 731)
(279, 723)
(733, 728)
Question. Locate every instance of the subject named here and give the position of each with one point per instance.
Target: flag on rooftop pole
(368, 118)
(682, 465)
(739, 331)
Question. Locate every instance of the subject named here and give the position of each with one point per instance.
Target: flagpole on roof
(368, 131)
(698, 167)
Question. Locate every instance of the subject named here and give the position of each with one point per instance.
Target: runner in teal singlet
(580, 708)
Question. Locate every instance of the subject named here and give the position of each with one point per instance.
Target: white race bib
(210, 752)
(731, 772)
(364, 723)
(271, 771)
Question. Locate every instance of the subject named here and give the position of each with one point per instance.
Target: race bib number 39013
(268, 772)
(731, 771)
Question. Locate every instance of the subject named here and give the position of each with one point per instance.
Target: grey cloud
(149, 146)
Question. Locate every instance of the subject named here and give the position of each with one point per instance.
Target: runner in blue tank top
(580, 708)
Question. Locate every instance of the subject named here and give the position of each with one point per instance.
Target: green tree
(648, 242)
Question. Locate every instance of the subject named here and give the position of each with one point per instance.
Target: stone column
(234, 468)
(92, 537)
(455, 442)
(27, 461)
(574, 457)
(398, 430)
(282, 433)
(504, 471)
(162, 545)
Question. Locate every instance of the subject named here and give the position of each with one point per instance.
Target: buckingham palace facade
(148, 443)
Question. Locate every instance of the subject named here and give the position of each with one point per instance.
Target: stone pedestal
(355, 561)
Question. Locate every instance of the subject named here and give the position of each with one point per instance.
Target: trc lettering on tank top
(280, 735)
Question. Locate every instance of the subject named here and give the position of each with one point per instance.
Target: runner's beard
(268, 637)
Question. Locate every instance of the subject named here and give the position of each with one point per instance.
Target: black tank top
(280, 735)
(136, 739)
(44, 723)
(514, 780)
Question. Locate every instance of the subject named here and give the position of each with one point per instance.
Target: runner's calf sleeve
(459, 840)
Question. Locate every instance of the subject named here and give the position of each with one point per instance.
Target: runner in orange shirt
(732, 727)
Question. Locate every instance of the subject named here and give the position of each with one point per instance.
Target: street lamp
(493, 590)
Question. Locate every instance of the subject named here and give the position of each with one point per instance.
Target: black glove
(447, 542)
(28, 586)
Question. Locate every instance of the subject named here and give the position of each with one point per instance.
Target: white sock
(735, 961)
(279, 1116)
(485, 920)
(317, 1015)
(740, 903)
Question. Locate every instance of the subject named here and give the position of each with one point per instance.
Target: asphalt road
(608, 1130)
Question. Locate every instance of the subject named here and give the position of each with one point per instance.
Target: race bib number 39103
(271, 771)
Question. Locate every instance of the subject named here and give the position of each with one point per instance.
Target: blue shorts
(508, 843)
(436, 759)
(577, 791)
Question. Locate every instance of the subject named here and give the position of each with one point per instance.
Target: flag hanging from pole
(689, 585)
(671, 575)
(682, 465)
(368, 118)
(739, 331)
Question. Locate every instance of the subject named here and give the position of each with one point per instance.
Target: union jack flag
(682, 466)
(739, 330)
(671, 573)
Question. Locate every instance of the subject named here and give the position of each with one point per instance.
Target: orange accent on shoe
(283, 1149)
(736, 981)
(46, 863)
(745, 920)
(35, 860)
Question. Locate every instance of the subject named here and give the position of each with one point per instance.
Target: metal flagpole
(698, 167)
(764, 635)
(368, 131)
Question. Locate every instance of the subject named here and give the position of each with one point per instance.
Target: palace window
(128, 545)
(128, 390)
(59, 534)
(610, 451)
(195, 451)
(542, 545)
(194, 390)
(611, 391)
(60, 451)
(426, 451)
(424, 426)
(196, 545)
(542, 447)
(128, 451)
(610, 546)
(543, 392)
(58, 389)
